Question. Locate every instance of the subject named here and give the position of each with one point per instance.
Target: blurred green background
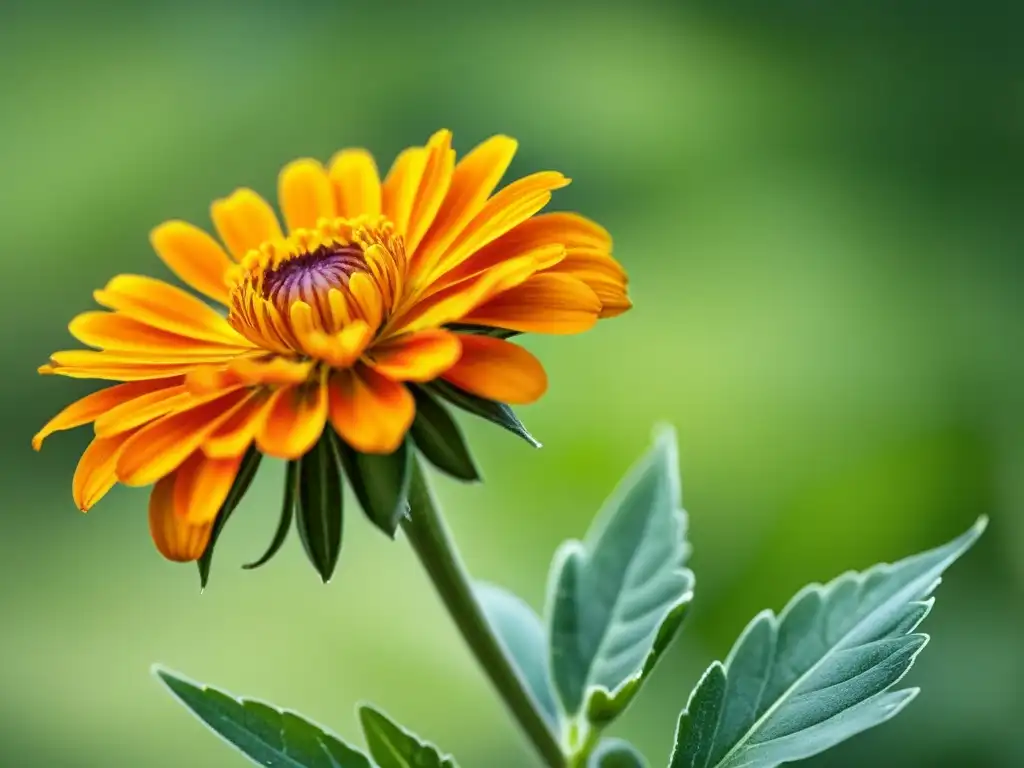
(819, 205)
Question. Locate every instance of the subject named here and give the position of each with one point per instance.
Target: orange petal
(201, 485)
(236, 433)
(175, 537)
(133, 372)
(371, 412)
(356, 183)
(305, 194)
(171, 309)
(433, 186)
(243, 221)
(95, 474)
(294, 421)
(142, 410)
(473, 180)
(120, 333)
(420, 356)
(569, 229)
(92, 406)
(546, 303)
(498, 370)
(400, 186)
(193, 256)
(161, 446)
(511, 206)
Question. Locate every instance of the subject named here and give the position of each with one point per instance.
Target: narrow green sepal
(380, 482)
(320, 511)
(291, 486)
(483, 330)
(439, 438)
(246, 472)
(492, 411)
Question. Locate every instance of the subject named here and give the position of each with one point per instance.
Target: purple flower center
(311, 274)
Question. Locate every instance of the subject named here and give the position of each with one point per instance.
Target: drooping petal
(175, 537)
(194, 256)
(420, 356)
(243, 221)
(236, 433)
(546, 303)
(400, 186)
(95, 474)
(167, 308)
(141, 410)
(371, 412)
(475, 177)
(356, 183)
(433, 186)
(90, 407)
(294, 420)
(305, 193)
(162, 445)
(201, 485)
(498, 370)
(130, 372)
(116, 332)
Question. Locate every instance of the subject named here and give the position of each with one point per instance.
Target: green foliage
(380, 482)
(496, 413)
(820, 672)
(246, 473)
(291, 492)
(394, 747)
(439, 439)
(616, 753)
(320, 505)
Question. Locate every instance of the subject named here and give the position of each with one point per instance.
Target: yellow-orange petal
(305, 194)
(399, 189)
(201, 486)
(90, 407)
(294, 421)
(133, 373)
(475, 177)
(175, 537)
(141, 410)
(95, 474)
(238, 430)
(570, 229)
(162, 445)
(194, 256)
(168, 308)
(546, 303)
(116, 332)
(371, 412)
(420, 356)
(357, 187)
(498, 370)
(243, 221)
(433, 186)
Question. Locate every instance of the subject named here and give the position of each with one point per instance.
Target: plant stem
(430, 539)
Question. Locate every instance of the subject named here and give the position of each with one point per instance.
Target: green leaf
(291, 485)
(616, 753)
(320, 505)
(246, 473)
(494, 412)
(380, 482)
(796, 685)
(439, 439)
(523, 635)
(266, 735)
(391, 746)
(618, 598)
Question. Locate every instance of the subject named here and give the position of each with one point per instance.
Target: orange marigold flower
(371, 302)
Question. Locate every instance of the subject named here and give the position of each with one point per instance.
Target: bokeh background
(819, 205)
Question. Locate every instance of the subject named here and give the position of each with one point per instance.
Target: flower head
(334, 335)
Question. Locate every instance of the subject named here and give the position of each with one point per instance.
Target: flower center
(307, 276)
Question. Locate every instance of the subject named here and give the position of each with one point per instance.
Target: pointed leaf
(521, 632)
(246, 473)
(483, 330)
(380, 482)
(617, 599)
(391, 746)
(264, 734)
(494, 412)
(291, 487)
(320, 505)
(439, 439)
(796, 685)
(616, 753)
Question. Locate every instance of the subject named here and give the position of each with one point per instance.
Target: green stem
(428, 534)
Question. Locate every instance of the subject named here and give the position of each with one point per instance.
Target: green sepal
(439, 438)
(291, 486)
(492, 411)
(243, 479)
(380, 482)
(483, 330)
(320, 510)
